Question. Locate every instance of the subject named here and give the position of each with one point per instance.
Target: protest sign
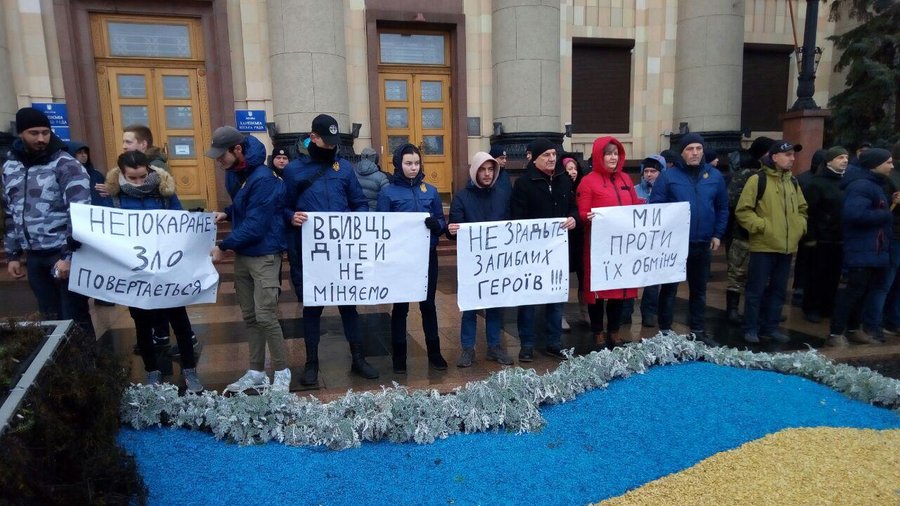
(364, 258)
(512, 263)
(635, 246)
(143, 258)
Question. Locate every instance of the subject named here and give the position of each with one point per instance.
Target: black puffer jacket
(536, 195)
(825, 199)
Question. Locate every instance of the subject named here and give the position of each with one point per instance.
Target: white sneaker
(256, 380)
(282, 381)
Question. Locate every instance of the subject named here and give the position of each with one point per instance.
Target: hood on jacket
(365, 167)
(166, 182)
(597, 155)
(73, 147)
(254, 152)
(477, 161)
(28, 159)
(398, 167)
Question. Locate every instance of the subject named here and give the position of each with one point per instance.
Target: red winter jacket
(603, 188)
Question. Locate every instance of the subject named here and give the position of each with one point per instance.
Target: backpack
(761, 185)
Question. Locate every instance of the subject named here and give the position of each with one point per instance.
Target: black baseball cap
(327, 128)
(784, 146)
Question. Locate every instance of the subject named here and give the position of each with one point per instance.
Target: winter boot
(732, 301)
(310, 375)
(359, 365)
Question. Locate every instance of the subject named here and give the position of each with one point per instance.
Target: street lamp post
(806, 81)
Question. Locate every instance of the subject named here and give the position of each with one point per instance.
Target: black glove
(432, 223)
(196, 210)
(72, 244)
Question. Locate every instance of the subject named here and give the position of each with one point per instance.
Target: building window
(764, 92)
(601, 85)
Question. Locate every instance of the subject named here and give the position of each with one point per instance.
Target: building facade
(452, 76)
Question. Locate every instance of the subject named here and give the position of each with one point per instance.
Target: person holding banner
(323, 181)
(605, 186)
(702, 185)
(408, 192)
(257, 239)
(543, 191)
(481, 200)
(135, 184)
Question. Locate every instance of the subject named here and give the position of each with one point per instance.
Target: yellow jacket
(778, 221)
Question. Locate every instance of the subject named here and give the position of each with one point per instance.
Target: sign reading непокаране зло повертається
(148, 259)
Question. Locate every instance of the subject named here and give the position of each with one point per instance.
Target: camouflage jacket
(36, 197)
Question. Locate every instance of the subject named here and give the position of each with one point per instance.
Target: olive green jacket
(778, 221)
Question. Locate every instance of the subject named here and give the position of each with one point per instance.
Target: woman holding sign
(137, 185)
(605, 186)
(409, 193)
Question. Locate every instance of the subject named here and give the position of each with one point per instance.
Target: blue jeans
(876, 303)
(698, 259)
(55, 301)
(493, 317)
(552, 320)
(767, 277)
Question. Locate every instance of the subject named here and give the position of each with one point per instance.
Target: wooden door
(415, 108)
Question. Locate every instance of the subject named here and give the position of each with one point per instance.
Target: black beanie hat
(689, 139)
(540, 145)
(760, 146)
(29, 117)
(873, 157)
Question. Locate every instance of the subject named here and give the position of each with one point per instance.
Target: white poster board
(512, 263)
(365, 258)
(147, 259)
(635, 246)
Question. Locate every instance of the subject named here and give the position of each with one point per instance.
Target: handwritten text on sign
(365, 258)
(146, 259)
(635, 246)
(512, 263)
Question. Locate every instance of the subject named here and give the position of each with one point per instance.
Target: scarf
(149, 188)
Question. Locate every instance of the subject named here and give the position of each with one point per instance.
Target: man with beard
(40, 181)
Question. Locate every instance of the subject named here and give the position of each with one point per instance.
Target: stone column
(308, 66)
(8, 103)
(708, 70)
(525, 52)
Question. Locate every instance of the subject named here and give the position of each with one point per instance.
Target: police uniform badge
(423, 188)
(336, 166)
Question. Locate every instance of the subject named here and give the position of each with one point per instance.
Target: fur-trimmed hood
(166, 182)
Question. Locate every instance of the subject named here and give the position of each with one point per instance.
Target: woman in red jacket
(605, 186)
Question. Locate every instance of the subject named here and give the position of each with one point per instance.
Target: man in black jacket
(544, 191)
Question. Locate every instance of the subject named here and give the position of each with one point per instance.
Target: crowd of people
(837, 221)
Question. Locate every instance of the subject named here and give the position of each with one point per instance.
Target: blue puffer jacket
(257, 197)
(336, 190)
(412, 196)
(707, 195)
(164, 199)
(867, 219)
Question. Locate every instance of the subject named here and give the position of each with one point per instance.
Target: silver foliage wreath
(507, 400)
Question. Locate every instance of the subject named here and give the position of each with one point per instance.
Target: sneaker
(497, 354)
(891, 331)
(153, 378)
(555, 352)
(564, 325)
(257, 380)
(836, 341)
(526, 354)
(751, 337)
(310, 375)
(777, 336)
(175, 351)
(191, 381)
(282, 381)
(466, 358)
(158, 343)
